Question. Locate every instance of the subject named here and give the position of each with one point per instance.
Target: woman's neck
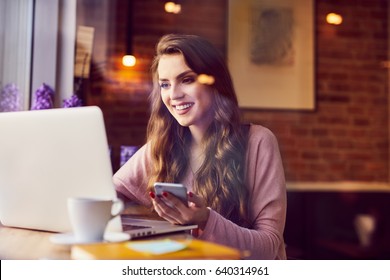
(196, 156)
(197, 134)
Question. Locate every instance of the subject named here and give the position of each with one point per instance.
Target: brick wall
(345, 138)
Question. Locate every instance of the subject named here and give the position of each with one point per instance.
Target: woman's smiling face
(189, 102)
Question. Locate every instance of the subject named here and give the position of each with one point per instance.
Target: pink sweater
(266, 183)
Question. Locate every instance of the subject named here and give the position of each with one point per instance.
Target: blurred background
(335, 150)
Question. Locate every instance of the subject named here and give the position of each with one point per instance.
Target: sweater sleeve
(267, 190)
(130, 180)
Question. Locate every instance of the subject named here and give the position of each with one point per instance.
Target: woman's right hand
(173, 209)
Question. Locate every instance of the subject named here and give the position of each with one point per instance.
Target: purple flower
(126, 153)
(10, 99)
(43, 98)
(73, 101)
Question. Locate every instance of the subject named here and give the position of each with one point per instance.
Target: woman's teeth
(182, 107)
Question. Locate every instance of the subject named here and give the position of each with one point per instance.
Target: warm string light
(206, 79)
(171, 7)
(333, 18)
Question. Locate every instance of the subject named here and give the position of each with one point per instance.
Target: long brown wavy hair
(220, 179)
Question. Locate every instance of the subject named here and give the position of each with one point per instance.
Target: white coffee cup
(89, 216)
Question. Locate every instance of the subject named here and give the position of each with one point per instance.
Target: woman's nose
(176, 92)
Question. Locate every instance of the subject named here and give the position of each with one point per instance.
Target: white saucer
(69, 238)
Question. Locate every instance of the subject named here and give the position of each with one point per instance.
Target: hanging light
(129, 60)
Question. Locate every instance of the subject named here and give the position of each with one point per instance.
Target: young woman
(233, 172)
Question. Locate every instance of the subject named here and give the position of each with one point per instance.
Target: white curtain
(16, 21)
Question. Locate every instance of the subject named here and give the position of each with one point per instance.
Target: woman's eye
(188, 80)
(164, 85)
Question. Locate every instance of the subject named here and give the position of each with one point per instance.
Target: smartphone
(177, 190)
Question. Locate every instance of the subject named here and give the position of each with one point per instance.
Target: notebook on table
(47, 156)
(137, 250)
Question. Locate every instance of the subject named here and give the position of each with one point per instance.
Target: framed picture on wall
(271, 53)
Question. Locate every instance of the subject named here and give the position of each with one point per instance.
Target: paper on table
(157, 247)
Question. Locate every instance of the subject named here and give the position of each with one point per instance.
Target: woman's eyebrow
(181, 75)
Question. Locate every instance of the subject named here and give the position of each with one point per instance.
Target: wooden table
(26, 244)
(17, 243)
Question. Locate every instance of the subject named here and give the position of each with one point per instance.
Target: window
(37, 41)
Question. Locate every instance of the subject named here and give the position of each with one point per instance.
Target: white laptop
(47, 156)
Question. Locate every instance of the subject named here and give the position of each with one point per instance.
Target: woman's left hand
(175, 211)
